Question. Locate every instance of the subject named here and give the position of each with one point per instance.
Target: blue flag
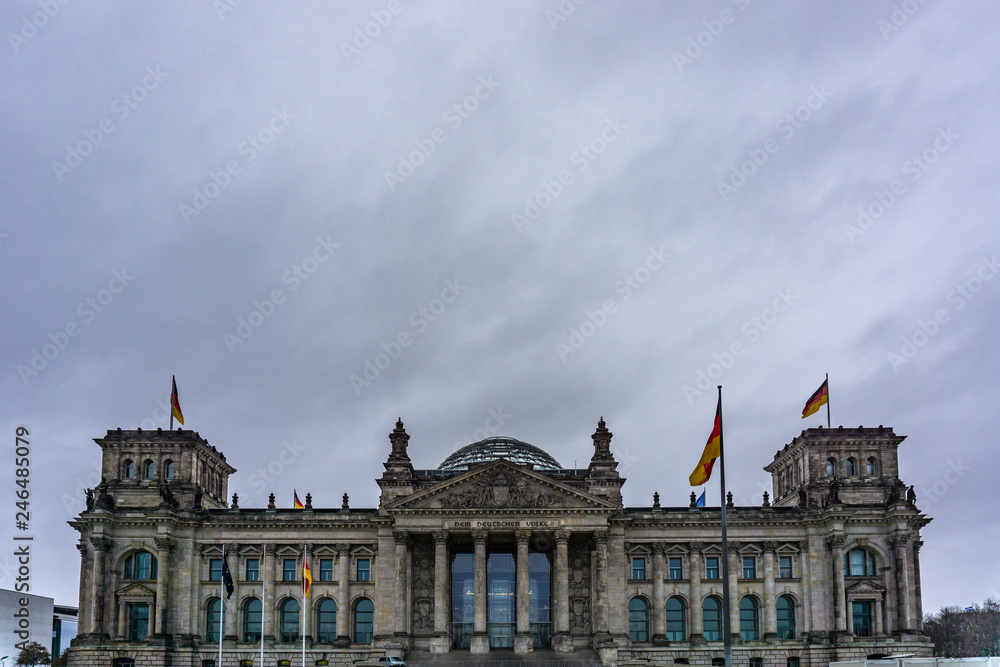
(701, 500)
(227, 578)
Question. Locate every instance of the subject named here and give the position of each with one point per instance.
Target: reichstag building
(500, 551)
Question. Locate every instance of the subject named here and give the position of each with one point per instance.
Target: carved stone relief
(579, 587)
(423, 588)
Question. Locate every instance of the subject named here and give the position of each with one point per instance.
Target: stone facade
(829, 571)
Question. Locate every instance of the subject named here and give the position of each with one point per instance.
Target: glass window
(326, 621)
(215, 569)
(364, 615)
(749, 567)
(638, 620)
(208, 663)
(288, 569)
(462, 607)
(852, 467)
(859, 563)
(718, 662)
(711, 614)
(139, 622)
(712, 567)
(676, 568)
(251, 620)
(148, 469)
(756, 662)
(870, 466)
(168, 469)
(792, 662)
(326, 569)
(675, 620)
(831, 467)
(289, 620)
(123, 662)
(638, 568)
(786, 617)
(213, 620)
(364, 572)
(784, 567)
(862, 612)
(539, 599)
(140, 565)
(128, 469)
(253, 569)
(749, 619)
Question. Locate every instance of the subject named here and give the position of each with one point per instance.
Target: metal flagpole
(173, 379)
(726, 622)
(305, 549)
(828, 401)
(222, 600)
(263, 597)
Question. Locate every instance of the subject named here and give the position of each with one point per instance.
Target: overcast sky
(502, 219)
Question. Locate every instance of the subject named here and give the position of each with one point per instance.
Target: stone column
(480, 641)
(601, 605)
(268, 566)
(695, 561)
(918, 603)
(402, 539)
(441, 642)
(806, 579)
(343, 594)
(770, 602)
(659, 604)
(164, 545)
(84, 610)
(101, 547)
(878, 617)
(522, 636)
(121, 632)
(735, 572)
(561, 640)
(836, 544)
(849, 606)
(905, 597)
(229, 606)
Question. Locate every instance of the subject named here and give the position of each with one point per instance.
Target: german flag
(296, 503)
(712, 451)
(175, 404)
(307, 578)
(819, 398)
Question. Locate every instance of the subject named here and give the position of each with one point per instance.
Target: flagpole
(726, 622)
(173, 380)
(305, 608)
(828, 401)
(263, 597)
(222, 601)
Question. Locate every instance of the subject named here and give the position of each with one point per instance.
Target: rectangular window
(364, 569)
(862, 613)
(756, 662)
(208, 663)
(749, 567)
(326, 569)
(638, 568)
(792, 662)
(139, 622)
(215, 569)
(253, 569)
(288, 569)
(676, 569)
(712, 567)
(784, 567)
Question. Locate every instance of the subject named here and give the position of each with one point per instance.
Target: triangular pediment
(500, 485)
(866, 587)
(134, 592)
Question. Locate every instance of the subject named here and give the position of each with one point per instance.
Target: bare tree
(964, 633)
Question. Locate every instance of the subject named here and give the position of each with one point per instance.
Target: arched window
(128, 469)
(676, 627)
(831, 467)
(638, 620)
(140, 565)
(289, 619)
(168, 469)
(251, 620)
(326, 621)
(870, 466)
(852, 467)
(148, 469)
(786, 617)
(364, 614)
(859, 563)
(213, 620)
(711, 616)
(749, 619)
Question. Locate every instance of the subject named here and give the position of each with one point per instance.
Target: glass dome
(495, 448)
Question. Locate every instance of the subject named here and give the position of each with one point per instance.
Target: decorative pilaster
(441, 643)
(562, 641)
(695, 564)
(659, 604)
(601, 605)
(770, 604)
(836, 545)
(522, 637)
(164, 545)
(480, 642)
(268, 568)
(102, 546)
(343, 594)
(402, 539)
(903, 578)
(230, 615)
(735, 571)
